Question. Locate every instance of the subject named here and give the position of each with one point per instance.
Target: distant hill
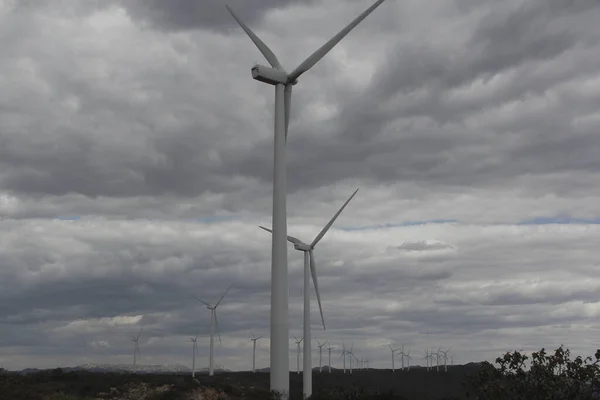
(128, 368)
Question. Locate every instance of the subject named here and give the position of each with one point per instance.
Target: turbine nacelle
(272, 76)
(302, 246)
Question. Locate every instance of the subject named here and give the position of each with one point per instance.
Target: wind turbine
(329, 363)
(426, 358)
(343, 356)
(393, 357)
(401, 353)
(437, 360)
(408, 358)
(254, 339)
(445, 353)
(283, 82)
(136, 349)
(309, 268)
(213, 322)
(194, 341)
(320, 346)
(298, 341)
(351, 354)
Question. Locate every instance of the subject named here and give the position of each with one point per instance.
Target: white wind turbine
(408, 358)
(136, 349)
(426, 358)
(393, 357)
(194, 341)
(320, 346)
(445, 353)
(283, 82)
(401, 354)
(213, 322)
(343, 356)
(351, 354)
(298, 341)
(437, 360)
(310, 269)
(329, 362)
(254, 339)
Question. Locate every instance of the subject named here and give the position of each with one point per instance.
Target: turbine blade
(323, 50)
(221, 299)
(217, 325)
(201, 301)
(290, 239)
(262, 47)
(324, 231)
(287, 101)
(313, 272)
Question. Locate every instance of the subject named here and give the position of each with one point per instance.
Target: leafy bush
(550, 377)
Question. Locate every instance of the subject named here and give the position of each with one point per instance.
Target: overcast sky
(136, 163)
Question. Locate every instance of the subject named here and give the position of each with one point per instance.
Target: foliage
(550, 377)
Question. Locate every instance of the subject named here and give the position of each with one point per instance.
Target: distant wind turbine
(298, 341)
(254, 339)
(408, 358)
(343, 356)
(445, 353)
(401, 354)
(213, 323)
(329, 363)
(310, 269)
(194, 341)
(320, 346)
(136, 349)
(393, 357)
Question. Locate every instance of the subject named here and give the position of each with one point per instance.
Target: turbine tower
(298, 341)
(283, 82)
(136, 349)
(329, 362)
(194, 341)
(254, 339)
(213, 322)
(309, 268)
(320, 346)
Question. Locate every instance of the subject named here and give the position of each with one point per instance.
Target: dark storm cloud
(176, 15)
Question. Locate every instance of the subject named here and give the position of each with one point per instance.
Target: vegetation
(549, 377)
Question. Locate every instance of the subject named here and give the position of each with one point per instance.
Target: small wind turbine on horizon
(393, 357)
(320, 346)
(194, 341)
(254, 339)
(329, 362)
(408, 358)
(351, 354)
(343, 356)
(445, 353)
(437, 360)
(136, 349)
(310, 269)
(283, 82)
(213, 322)
(401, 354)
(298, 341)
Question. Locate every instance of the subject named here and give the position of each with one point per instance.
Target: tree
(550, 377)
